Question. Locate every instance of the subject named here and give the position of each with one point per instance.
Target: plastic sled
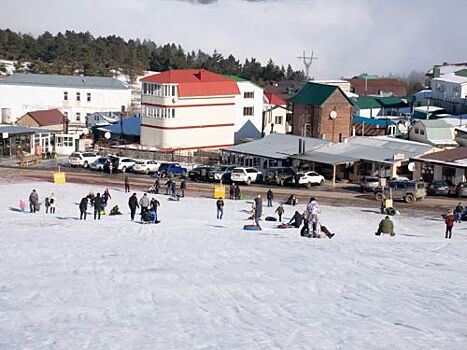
(270, 218)
(251, 228)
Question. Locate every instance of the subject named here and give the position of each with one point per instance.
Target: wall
(418, 137)
(198, 122)
(248, 126)
(19, 100)
(270, 118)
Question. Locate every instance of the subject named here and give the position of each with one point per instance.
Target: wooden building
(321, 111)
(51, 119)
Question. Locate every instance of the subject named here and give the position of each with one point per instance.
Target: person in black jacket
(83, 206)
(127, 184)
(154, 204)
(98, 205)
(270, 197)
(183, 187)
(157, 185)
(296, 220)
(133, 204)
(220, 208)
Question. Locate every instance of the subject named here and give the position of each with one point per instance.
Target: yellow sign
(388, 203)
(219, 192)
(59, 177)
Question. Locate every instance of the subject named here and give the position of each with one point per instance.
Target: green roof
(315, 94)
(366, 102)
(462, 73)
(367, 76)
(391, 102)
(235, 77)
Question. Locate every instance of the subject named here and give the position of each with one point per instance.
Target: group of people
(234, 191)
(98, 202)
(50, 203)
(149, 208)
(453, 216)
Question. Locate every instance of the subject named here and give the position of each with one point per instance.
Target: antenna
(307, 61)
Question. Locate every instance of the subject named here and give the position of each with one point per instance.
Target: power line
(307, 61)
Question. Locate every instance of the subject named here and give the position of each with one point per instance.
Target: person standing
(33, 201)
(183, 187)
(173, 188)
(106, 196)
(280, 211)
(220, 208)
(127, 184)
(52, 203)
(83, 207)
(46, 205)
(458, 212)
(157, 185)
(270, 197)
(313, 212)
(232, 191)
(110, 167)
(169, 186)
(144, 203)
(133, 204)
(258, 210)
(98, 206)
(297, 180)
(237, 191)
(449, 221)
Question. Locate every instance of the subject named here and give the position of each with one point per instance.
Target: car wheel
(86, 164)
(248, 181)
(281, 182)
(409, 198)
(124, 169)
(379, 196)
(309, 184)
(321, 183)
(73, 166)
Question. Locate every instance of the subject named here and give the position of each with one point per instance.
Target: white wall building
(275, 115)
(188, 110)
(450, 92)
(249, 110)
(75, 96)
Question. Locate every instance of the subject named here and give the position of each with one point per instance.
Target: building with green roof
(321, 111)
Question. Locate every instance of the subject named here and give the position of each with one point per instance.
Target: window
(249, 94)
(247, 110)
(422, 132)
(78, 116)
(65, 96)
(173, 112)
(278, 119)
(78, 96)
(88, 97)
(145, 88)
(417, 131)
(173, 90)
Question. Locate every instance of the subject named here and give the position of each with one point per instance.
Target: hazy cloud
(349, 37)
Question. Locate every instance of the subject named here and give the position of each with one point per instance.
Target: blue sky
(349, 37)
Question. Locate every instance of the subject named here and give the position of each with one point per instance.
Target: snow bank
(194, 282)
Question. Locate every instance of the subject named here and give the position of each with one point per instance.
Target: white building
(188, 110)
(102, 119)
(75, 96)
(450, 92)
(275, 115)
(249, 110)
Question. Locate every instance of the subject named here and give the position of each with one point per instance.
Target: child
(280, 210)
(22, 205)
(47, 205)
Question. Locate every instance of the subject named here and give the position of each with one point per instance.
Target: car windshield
(102, 160)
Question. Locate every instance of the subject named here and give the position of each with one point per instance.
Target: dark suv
(409, 191)
(171, 169)
(280, 176)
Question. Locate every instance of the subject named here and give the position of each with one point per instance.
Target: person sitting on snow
(385, 226)
(115, 211)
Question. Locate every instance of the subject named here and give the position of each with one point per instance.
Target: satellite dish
(107, 135)
(333, 115)
(411, 166)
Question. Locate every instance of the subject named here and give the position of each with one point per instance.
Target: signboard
(59, 177)
(219, 192)
(399, 156)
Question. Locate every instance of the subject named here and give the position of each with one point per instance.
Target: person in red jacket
(449, 221)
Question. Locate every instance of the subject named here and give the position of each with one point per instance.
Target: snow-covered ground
(195, 282)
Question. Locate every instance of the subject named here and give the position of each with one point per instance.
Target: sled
(270, 218)
(251, 228)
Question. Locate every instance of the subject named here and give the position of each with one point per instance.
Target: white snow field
(195, 282)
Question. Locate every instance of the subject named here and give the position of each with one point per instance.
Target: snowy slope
(193, 282)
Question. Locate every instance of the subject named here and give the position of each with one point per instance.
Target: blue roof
(372, 121)
(131, 126)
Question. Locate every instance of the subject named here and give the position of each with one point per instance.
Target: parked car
(174, 169)
(246, 175)
(145, 166)
(409, 191)
(280, 176)
(310, 178)
(369, 183)
(125, 164)
(83, 159)
(99, 164)
(461, 189)
(200, 173)
(443, 188)
(223, 172)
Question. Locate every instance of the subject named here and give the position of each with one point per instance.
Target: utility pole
(307, 61)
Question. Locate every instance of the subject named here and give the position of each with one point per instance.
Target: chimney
(299, 146)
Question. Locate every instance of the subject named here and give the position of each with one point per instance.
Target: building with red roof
(51, 119)
(275, 114)
(369, 85)
(188, 109)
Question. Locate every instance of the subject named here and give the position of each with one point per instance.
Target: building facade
(321, 111)
(275, 115)
(74, 96)
(188, 110)
(450, 92)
